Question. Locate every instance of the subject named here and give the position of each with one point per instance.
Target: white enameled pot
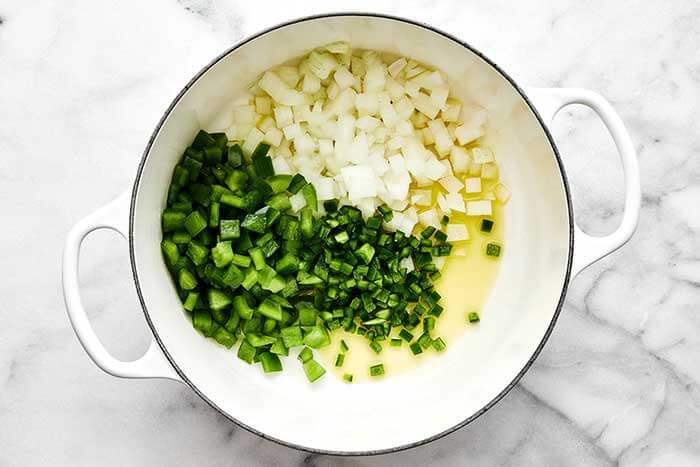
(544, 250)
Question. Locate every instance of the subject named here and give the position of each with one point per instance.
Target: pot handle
(589, 249)
(152, 364)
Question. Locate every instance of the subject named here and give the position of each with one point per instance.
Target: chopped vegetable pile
(328, 198)
(368, 129)
(250, 265)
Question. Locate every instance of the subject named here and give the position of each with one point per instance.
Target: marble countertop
(82, 85)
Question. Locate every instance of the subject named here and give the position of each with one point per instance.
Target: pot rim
(517, 377)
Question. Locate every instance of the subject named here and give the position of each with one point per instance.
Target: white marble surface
(83, 83)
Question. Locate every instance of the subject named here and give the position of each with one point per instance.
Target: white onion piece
(367, 104)
(424, 105)
(455, 202)
(489, 171)
(475, 116)
(283, 116)
(429, 80)
(438, 96)
(474, 169)
(310, 84)
(397, 163)
(412, 89)
(325, 147)
(375, 78)
(396, 67)
(321, 64)
(466, 134)
(459, 251)
(343, 77)
(407, 263)
(480, 207)
(415, 157)
(502, 193)
(482, 155)
(421, 197)
(434, 170)
(304, 145)
(404, 108)
(427, 135)
(472, 185)
(443, 141)
(429, 218)
(460, 159)
(263, 105)
(367, 206)
(447, 165)
(367, 123)
(325, 188)
(301, 113)
(360, 181)
(397, 204)
(397, 184)
(297, 201)
(281, 166)
(451, 184)
(266, 123)
(442, 202)
(451, 112)
(411, 213)
(279, 91)
(377, 161)
(252, 140)
(457, 232)
(273, 136)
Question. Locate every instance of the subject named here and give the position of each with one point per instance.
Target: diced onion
(438, 96)
(455, 202)
(424, 105)
(252, 140)
(321, 64)
(482, 155)
(360, 181)
(489, 171)
(480, 207)
(443, 142)
(367, 128)
(457, 232)
(421, 197)
(451, 184)
(442, 202)
(283, 116)
(439, 262)
(460, 159)
(343, 77)
(502, 193)
(273, 136)
(466, 134)
(472, 185)
(281, 166)
(263, 105)
(429, 218)
(434, 170)
(407, 263)
(297, 201)
(396, 67)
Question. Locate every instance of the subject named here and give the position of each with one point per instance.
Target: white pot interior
(419, 404)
